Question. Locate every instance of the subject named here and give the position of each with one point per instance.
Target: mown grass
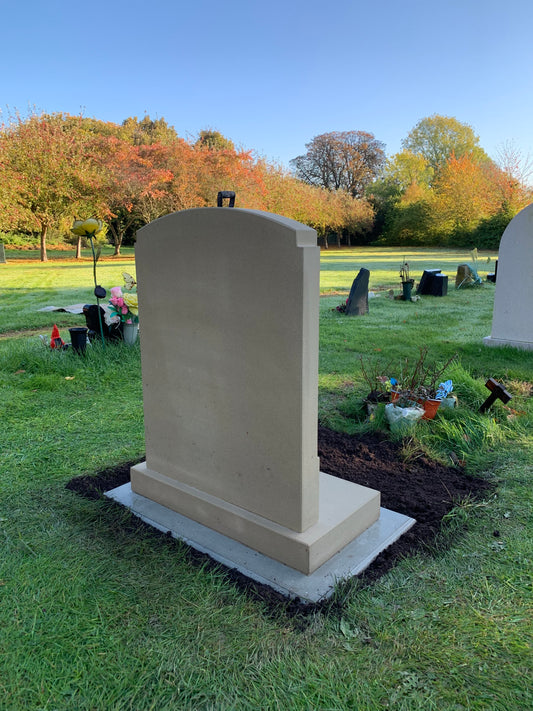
(99, 612)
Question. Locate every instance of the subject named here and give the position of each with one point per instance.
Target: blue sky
(272, 75)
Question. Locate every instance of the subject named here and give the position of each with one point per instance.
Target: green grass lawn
(98, 612)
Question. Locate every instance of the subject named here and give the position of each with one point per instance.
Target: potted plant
(407, 282)
(380, 385)
(418, 383)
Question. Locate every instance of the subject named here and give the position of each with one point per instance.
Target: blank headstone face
(229, 338)
(512, 321)
(2, 254)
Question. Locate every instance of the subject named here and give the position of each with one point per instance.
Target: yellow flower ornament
(87, 228)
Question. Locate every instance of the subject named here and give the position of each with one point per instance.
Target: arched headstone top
(247, 219)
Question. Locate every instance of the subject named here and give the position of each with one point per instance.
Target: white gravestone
(512, 318)
(229, 347)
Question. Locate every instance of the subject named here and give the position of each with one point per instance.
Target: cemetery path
(417, 486)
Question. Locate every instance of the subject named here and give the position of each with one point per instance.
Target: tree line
(441, 188)
(54, 167)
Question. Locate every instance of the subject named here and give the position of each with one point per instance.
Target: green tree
(46, 164)
(214, 141)
(147, 131)
(348, 160)
(438, 138)
(407, 168)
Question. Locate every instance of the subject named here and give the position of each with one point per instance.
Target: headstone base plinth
(345, 511)
(499, 342)
(348, 562)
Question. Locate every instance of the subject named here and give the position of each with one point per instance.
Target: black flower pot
(407, 288)
(78, 338)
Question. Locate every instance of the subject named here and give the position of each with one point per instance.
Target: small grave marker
(498, 392)
(2, 254)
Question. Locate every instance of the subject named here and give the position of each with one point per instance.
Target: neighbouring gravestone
(493, 275)
(357, 303)
(426, 281)
(229, 310)
(512, 320)
(433, 283)
(2, 254)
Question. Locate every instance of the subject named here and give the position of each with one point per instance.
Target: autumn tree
(133, 186)
(348, 160)
(214, 141)
(46, 165)
(438, 138)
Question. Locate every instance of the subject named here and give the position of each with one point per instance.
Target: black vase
(78, 338)
(407, 287)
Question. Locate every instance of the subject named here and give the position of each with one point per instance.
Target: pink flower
(124, 309)
(116, 292)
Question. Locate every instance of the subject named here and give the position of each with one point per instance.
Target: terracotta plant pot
(430, 408)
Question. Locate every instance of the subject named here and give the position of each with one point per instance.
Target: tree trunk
(338, 239)
(117, 239)
(349, 240)
(44, 256)
(326, 243)
(78, 248)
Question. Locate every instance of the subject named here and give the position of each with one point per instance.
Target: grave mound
(421, 488)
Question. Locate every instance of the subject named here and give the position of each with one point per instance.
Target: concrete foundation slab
(351, 560)
(345, 511)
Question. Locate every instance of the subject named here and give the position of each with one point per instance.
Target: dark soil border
(417, 487)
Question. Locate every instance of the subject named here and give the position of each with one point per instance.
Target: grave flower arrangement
(342, 307)
(124, 305)
(415, 385)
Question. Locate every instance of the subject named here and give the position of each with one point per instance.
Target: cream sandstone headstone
(229, 346)
(512, 318)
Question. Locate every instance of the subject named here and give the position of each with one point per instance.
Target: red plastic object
(56, 341)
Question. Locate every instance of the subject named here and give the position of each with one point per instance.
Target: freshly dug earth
(417, 487)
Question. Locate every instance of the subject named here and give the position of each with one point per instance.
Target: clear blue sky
(272, 75)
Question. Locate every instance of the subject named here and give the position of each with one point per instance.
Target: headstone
(493, 275)
(433, 283)
(229, 310)
(426, 281)
(512, 320)
(466, 276)
(439, 286)
(357, 303)
(2, 254)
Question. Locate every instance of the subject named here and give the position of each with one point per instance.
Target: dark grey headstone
(2, 254)
(439, 286)
(357, 304)
(426, 282)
